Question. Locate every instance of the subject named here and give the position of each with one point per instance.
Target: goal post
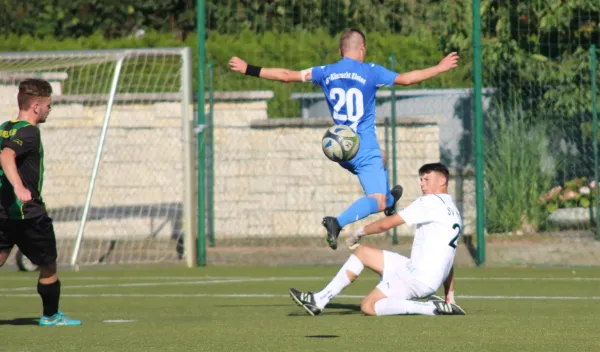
(119, 161)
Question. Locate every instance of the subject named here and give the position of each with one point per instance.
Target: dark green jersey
(24, 138)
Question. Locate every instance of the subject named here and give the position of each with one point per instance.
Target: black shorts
(34, 237)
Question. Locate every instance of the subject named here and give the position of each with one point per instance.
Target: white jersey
(439, 226)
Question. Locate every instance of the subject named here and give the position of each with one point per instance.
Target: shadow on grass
(344, 309)
(21, 321)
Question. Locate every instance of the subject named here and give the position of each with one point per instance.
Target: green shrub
(517, 171)
(297, 50)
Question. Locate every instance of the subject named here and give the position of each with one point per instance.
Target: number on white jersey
(454, 242)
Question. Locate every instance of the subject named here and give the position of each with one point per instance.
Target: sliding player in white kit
(438, 228)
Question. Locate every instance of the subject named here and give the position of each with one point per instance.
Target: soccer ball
(340, 143)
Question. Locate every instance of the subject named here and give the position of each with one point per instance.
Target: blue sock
(389, 199)
(360, 209)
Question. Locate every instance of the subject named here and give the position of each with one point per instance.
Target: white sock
(450, 297)
(398, 306)
(339, 282)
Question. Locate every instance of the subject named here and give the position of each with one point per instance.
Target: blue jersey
(350, 88)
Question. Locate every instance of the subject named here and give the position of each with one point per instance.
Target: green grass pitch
(248, 309)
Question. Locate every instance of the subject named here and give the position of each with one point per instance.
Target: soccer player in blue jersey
(350, 86)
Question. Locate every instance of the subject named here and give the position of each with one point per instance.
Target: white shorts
(398, 279)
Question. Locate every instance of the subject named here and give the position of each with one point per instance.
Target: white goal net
(118, 151)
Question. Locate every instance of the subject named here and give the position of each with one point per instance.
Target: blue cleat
(58, 319)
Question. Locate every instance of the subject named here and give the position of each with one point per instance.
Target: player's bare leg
(314, 303)
(381, 200)
(372, 258)
(377, 303)
(3, 256)
(367, 306)
(449, 287)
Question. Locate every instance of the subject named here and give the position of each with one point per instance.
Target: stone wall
(140, 179)
(271, 177)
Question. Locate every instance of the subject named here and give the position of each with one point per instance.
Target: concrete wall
(271, 178)
(140, 179)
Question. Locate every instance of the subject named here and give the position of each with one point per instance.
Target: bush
(517, 171)
(297, 50)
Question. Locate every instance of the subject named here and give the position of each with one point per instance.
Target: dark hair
(31, 89)
(347, 35)
(435, 167)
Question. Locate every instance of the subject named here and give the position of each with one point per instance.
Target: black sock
(50, 295)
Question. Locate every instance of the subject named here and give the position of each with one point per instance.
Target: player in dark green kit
(23, 218)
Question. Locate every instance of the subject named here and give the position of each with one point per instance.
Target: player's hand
(238, 65)
(449, 62)
(353, 240)
(23, 194)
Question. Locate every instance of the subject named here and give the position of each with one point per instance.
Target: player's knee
(351, 276)
(48, 271)
(368, 306)
(3, 257)
(359, 252)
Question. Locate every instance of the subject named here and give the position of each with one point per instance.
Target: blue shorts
(368, 166)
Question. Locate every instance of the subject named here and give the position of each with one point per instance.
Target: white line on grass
(232, 280)
(531, 297)
(170, 283)
(528, 278)
(196, 278)
(118, 321)
(141, 277)
(269, 295)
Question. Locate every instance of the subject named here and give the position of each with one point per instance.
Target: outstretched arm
(274, 74)
(413, 77)
(383, 224)
(373, 228)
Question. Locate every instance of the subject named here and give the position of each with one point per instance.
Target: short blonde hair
(347, 39)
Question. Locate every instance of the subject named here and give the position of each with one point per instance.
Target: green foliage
(280, 33)
(517, 170)
(83, 18)
(534, 50)
(269, 50)
(537, 51)
(587, 131)
(332, 16)
(300, 51)
(114, 18)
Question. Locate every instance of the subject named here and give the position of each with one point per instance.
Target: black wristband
(253, 70)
